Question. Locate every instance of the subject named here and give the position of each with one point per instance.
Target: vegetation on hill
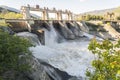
(10, 15)
(101, 14)
(117, 10)
(12, 48)
(90, 17)
(107, 64)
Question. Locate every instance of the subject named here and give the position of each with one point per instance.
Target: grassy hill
(117, 10)
(101, 12)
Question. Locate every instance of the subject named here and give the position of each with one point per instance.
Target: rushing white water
(50, 36)
(70, 56)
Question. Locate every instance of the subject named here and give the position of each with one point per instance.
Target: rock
(41, 70)
(37, 71)
(14, 75)
(76, 78)
(7, 29)
(55, 73)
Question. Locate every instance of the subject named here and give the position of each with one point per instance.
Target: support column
(41, 35)
(45, 14)
(26, 15)
(25, 12)
(71, 17)
(68, 16)
(59, 15)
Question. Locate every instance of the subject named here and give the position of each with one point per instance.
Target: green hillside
(117, 10)
(102, 12)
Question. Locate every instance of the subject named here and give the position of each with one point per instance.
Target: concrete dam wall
(68, 30)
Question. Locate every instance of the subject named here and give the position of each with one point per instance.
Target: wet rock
(7, 29)
(36, 71)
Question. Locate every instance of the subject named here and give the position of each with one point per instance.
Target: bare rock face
(13, 75)
(6, 29)
(41, 70)
(37, 71)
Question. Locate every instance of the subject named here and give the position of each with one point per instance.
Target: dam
(67, 27)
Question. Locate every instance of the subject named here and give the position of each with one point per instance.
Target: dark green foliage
(107, 64)
(118, 18)
(11, 48)
(93, 17)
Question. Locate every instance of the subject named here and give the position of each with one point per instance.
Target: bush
(107, 64)
(93, 17)
(11, 48)
(118, 18)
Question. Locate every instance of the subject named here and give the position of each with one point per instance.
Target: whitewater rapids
(70, 56)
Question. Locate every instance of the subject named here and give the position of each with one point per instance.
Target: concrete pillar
(45, 14)
(58, 15)
(69, 15)
(41, 36)
(26, 13)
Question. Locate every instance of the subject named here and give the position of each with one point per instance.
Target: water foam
(70, 56)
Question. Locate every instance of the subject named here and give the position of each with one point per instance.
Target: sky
(76, 6)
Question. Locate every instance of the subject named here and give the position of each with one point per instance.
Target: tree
(11, 50)
(107, 64)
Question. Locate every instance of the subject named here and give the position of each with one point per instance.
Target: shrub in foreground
(107, 64)
(11, 49)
